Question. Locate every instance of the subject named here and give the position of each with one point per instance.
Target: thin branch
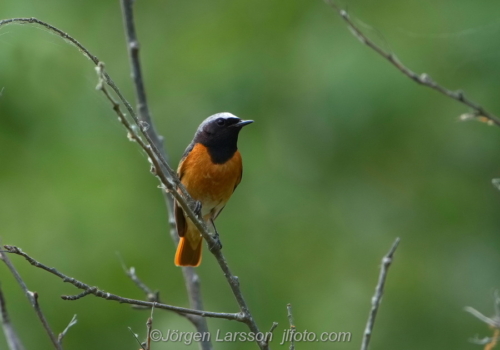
(13, 341)
(33, 299)
(424, 79)
(130, 272)
(150, 295)
(136, 338)
(149, 327)
(140, 90)
(493, 322)
(168, 178)
(63, 333)
(108, 296)
(292, 326)
(269, 334)
(379, 292)
(78, 296)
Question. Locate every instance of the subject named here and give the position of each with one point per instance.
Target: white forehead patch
(224, 115)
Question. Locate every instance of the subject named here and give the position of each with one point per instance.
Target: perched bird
(210, 169)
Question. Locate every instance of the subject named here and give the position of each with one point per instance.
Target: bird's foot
(217, 243)
(197, 209)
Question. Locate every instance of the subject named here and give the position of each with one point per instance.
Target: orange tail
(186, 255)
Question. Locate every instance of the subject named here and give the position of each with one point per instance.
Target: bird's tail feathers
(189, 250)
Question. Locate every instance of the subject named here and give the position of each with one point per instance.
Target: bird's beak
(242, 123)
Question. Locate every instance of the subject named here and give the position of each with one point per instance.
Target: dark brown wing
(189, 148)
(238, 180)
(180, 219)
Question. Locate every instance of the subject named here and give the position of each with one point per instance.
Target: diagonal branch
(479, 112)
(168, 178)
(13, 341)
(379, 292)
(33, 299)
(87, 290)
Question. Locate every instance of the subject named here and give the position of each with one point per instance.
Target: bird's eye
(221, 121)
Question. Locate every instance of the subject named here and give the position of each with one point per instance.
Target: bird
(210, 169)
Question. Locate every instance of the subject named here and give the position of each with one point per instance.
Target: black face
(219, 127)
(219, 133)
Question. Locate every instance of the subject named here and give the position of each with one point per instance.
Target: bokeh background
(346, 154)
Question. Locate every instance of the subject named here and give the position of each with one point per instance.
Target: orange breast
(211, 184)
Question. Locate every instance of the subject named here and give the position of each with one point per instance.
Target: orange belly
(211, 184)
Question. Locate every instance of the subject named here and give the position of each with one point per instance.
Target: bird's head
(220, 129)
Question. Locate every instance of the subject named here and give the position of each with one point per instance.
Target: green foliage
(345, 155)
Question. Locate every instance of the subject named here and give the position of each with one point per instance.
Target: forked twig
(63, 333)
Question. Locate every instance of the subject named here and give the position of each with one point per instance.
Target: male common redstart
(210, 169)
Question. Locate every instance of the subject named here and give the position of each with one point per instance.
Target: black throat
(221, 148)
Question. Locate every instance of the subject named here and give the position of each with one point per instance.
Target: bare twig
(130, 272)
(140, 90)
(63, 333)
(13, 341)
(33, 299)
(108, 296)
(136, 338)
(377, 297)
(424, 79)
(493, 322)
(149, 327)
(78, 296)
(292, 326)
(269, 334)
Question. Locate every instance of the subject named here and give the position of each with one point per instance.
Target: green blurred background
(346, 154)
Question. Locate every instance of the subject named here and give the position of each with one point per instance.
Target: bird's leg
(218, 243)
(197, 209)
